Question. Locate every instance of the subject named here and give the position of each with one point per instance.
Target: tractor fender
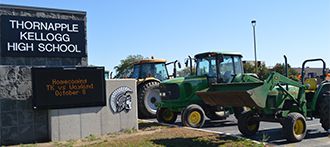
(143, 81)
(324, 88)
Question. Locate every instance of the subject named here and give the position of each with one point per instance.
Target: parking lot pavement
(271, 132)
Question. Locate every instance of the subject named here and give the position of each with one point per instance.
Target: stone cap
(6, 6)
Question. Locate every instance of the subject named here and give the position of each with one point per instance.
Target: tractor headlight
(169, 91)
(163, 94)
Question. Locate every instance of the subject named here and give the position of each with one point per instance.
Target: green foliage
(91, 137)
(28, 145)
(129, 131)
(280, 68)
(263, 71)
(186, 72)
(127, 63)
(68, 143)
(265, 137)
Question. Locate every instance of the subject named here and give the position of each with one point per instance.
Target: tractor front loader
(277, 99)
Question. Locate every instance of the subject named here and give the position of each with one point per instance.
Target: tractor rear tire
(248, 123)
(193, 116)
(165, 115)
(148, 96)
(324, 111)
(294, 127)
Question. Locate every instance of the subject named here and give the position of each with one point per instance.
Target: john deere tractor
(149, 73)
(178, 95)
(277, 99)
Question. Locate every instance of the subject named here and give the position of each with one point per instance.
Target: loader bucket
(236, 94)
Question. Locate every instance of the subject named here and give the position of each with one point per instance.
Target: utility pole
(254, 22)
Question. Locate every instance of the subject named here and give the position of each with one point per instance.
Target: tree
(263, 71)
(186, 72)
(280, 68)
(127, 63)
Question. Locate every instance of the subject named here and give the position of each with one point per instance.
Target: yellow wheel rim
(168, 115)
(299, 127)
(194, 118)
(252, 127)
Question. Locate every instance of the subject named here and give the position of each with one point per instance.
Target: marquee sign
(40, 37)
(68, 87)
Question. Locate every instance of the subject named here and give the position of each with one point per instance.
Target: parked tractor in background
(277, 99)
(149, 73)
(328, 76)
(178, 95)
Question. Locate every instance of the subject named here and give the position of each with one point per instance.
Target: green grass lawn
(155, 135)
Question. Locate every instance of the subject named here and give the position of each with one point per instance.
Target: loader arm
(250, 94)
(277, 80)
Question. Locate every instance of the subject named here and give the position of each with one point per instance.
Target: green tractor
(178, 95)
(277, 99)
(149, 73)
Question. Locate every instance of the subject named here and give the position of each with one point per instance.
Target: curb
(203, 130)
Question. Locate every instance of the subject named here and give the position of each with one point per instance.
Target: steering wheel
(234, 76)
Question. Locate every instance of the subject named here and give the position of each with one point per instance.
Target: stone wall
(75, 123)
(15, 82)
(19, 123)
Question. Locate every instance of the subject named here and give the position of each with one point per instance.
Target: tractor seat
(312, 84)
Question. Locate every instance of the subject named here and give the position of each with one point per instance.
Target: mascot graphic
(121, 99)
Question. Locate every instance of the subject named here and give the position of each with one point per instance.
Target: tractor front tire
(248, 123)
(294, 127)
(324, 111)
(238, 111)
(165, 115)
(148, 96)
(214, 113)
(193, 116)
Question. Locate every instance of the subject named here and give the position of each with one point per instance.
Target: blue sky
(174, 29)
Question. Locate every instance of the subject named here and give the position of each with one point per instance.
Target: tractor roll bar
(324, 71)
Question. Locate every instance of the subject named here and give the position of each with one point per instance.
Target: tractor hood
(183, 87)
(190, 79)
(174, 80)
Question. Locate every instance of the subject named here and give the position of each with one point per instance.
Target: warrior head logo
(121, 99)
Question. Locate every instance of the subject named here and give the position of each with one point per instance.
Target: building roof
(318, 71)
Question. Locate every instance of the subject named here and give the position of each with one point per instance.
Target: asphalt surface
(271, 132)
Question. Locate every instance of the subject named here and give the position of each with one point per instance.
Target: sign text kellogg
(39, 37)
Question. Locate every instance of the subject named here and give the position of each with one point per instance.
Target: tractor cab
(219, 67)
(149, 68)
